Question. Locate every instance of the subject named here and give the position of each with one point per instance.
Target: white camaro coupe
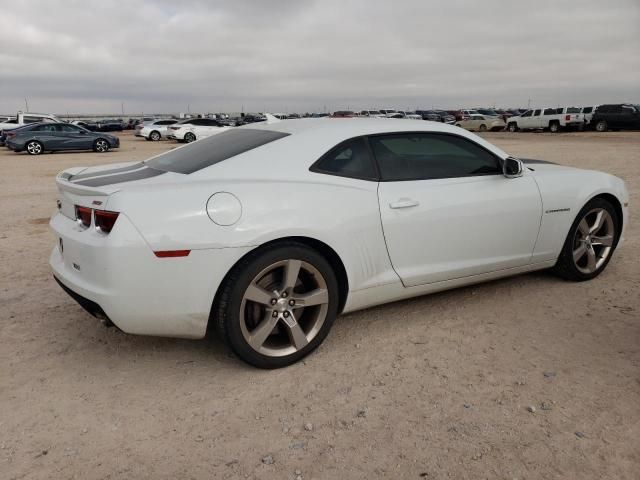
(267, 232)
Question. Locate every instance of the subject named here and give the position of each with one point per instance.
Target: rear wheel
(189, 137)
(154, 136)
(590, 243)
(34, 147)
(277, 305)
(101, 145)
(554, 127)
(602, 126)
(483, 128)
(512, 127)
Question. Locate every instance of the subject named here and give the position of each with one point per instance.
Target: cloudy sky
(85, 56)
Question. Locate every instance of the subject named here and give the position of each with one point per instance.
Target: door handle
(404, 203)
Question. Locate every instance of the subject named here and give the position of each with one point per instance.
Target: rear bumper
(118, 276)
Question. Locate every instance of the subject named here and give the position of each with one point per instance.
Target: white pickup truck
(552, 119)
(24, 118)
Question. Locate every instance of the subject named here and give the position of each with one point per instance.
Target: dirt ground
(435, 387)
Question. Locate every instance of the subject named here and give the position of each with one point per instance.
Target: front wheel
(483, 128)
(154, 136)
(512, 127)
(34, 148)
(189, 137)
(277, 305)
(602, 126)
(554, 127)
(101, 145)
(590, 243)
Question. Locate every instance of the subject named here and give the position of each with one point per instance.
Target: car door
(448, 212)
(525, 120)
(48, 135)
(75, 138)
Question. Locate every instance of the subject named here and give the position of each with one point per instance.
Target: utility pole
(122, 108)
(26, 103)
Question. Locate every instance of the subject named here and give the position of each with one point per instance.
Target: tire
(189, 137)
(154, 136)
(483, 128)
(602, 126)
(587, 250)
(512, 127)
(554, 127)
(259, 330)
(101, 145)
(34, 147)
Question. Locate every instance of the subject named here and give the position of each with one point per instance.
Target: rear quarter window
(212, 150)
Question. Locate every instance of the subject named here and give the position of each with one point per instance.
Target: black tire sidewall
(566, 263)
(237, 285)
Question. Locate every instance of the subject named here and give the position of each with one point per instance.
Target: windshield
(212, 150)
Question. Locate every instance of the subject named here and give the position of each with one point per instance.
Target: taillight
(567, 117)
(171, 253)
(10, 134)
(83, 216)
(105, 220)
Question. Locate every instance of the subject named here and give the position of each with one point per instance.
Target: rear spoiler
(63, 183)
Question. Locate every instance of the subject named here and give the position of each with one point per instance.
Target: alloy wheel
(155, 136)
(102, 146)
(34, 148)
(284, 308)
(593, 240)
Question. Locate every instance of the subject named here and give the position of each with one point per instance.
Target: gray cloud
(87, 56)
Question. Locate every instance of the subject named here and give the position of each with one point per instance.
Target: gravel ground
(530, 377)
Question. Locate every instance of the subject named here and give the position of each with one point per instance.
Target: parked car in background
(588, 114)
(319, 115)
(372, 113)
(195, 239)
(621, 116)
(248, 118)
(387, 111)
(40, 137)
(437, 116)
(551, 119)
(154, 130)
(194, 129)
(487, 112)
(109, 125)
(462, 114)
(343, 114)
(25, 118)
(481, 123)
(89, 125)
(405, 115)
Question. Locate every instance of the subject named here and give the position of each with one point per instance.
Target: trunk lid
(91, 186)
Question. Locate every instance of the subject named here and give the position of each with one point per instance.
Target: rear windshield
(211, 150)
(573, 110)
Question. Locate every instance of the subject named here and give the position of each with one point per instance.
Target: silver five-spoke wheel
(593, 240)
(284, 308)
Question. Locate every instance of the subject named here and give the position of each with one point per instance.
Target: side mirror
(512, 167)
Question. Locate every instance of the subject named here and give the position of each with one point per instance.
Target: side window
(425, 156)
(46, 128)
(348, 159)
(549, 111)
(587, 109)
(536, 113)
(527, 113)
(70, 128)
(197, 121)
